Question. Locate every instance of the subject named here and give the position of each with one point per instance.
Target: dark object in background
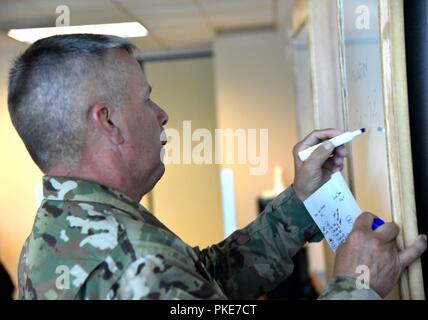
(6, 285)
(298, 285)
(416, 26)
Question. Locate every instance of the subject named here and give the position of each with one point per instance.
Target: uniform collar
(80, 190)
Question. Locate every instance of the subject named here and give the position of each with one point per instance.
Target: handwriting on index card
(334, 210)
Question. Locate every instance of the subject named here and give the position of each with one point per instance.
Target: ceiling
(173, 24)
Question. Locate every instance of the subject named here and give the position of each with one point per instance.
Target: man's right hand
(324, 161)
(378, 251)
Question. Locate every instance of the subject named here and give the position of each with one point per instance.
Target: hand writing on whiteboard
(317, 169)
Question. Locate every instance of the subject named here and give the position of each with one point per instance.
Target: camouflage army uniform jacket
(92, 242)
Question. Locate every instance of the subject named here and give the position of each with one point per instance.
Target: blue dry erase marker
(377, 222)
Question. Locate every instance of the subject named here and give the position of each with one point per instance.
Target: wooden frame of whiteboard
(322, 64)
(394, 82)
(394, 85)
(327, 78)
(301, 19)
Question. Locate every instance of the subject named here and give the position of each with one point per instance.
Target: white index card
(334, 210)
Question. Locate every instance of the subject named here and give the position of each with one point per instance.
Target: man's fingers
(320, 155)
(333, 164)
(338, 161)
(387, 232)
(316, 137)
(341, 152)
(407, 256)
(329, 164)
(364, 221)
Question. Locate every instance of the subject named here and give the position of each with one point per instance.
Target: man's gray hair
(52, 86)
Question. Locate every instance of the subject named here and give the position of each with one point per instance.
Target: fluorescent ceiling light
(125, 30)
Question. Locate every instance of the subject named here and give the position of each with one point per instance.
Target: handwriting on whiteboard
(334, 210)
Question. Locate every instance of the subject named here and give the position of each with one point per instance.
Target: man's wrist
(298, 215)
(300, 195)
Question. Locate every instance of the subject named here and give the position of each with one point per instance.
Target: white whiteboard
(365, 107)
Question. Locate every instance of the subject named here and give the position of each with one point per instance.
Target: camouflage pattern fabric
(91, 242)
(342, 288)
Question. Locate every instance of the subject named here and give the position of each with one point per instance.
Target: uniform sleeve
(161, 276)
(255, 259)
(343, 288)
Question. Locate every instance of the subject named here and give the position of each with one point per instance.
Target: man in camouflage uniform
(81, 105)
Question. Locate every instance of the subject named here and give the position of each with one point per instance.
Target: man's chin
(155, 177)
(162, 165)
(161, 171)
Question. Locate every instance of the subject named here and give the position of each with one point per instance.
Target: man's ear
(101, 115)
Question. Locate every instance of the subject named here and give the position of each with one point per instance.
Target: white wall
(254, 90)
(187, 198)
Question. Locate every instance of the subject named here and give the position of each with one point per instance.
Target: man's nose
(163, 116)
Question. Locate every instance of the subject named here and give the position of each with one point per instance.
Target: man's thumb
(321, 155)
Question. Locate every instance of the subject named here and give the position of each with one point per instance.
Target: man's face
(143, 122)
